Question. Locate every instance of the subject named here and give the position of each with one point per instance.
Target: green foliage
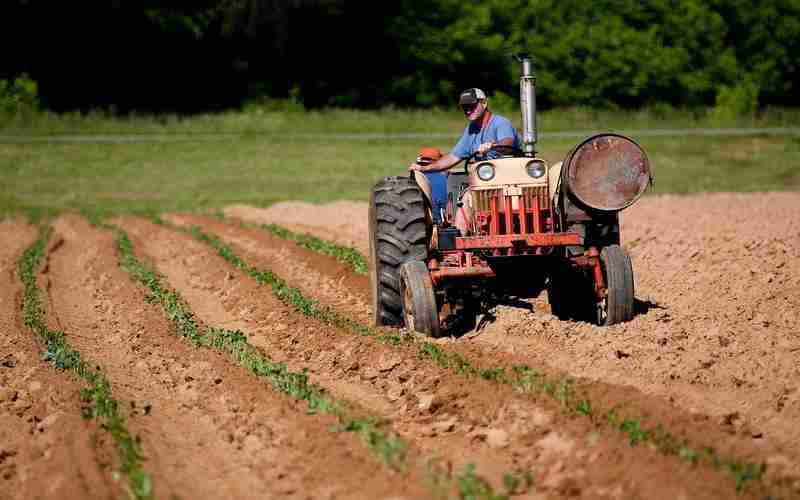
(217, 54)
(740, 100)
(389, 448)
(19, 96)
(100, 404)
(504, 104)
(263, 103)
(765, 36)
(467, 484)
(473, 487)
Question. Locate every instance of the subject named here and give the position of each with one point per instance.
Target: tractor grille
(540, 192)
(483, 198)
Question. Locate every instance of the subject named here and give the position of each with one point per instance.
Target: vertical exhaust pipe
(527, 97)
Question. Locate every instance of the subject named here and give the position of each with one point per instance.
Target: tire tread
(398, 234)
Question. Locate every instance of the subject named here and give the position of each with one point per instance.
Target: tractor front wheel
(617, 305)
(420, 311)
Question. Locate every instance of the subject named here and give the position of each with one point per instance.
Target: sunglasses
(469, 108)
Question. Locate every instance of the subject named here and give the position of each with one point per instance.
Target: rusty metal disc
(607, 172)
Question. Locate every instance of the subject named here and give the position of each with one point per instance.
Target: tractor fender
(424, 186)
(554, 181)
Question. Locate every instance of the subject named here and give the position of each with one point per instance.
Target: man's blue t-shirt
(498, 128)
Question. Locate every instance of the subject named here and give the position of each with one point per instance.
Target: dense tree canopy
(213, 54)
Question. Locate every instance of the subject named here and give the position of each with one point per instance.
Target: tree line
(202, 55)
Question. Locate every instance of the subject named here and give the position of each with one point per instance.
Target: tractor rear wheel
(398, 233)
(617, 305)
(420, 311)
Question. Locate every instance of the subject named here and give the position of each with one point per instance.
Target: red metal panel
(508, 240)
(461, 272)
(494, 224)
(509, 216)
(537, 216)
(523, 216)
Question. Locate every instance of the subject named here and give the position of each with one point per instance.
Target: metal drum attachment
(606, 172)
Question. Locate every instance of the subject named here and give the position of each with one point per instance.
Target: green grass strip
(389, 448)
(521, 377)
(98, 399)
(346, 255)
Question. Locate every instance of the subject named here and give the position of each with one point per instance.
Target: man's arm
(444, 163)
(486, 146)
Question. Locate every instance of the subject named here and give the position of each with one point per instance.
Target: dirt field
(713, 356)
(718, 287)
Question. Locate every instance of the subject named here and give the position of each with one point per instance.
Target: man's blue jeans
(438, 181)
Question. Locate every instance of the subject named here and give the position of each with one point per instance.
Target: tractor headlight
(535, 169)
(485, 171)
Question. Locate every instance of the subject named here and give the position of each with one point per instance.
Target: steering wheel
(503, 149)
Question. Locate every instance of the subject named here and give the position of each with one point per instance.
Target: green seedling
(389, 448)
(346, 255)
(520, 377)
(99, 403)
(563, 390)
(384, 444)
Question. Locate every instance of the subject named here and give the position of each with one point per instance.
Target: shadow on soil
(643, 306)
(460, 325)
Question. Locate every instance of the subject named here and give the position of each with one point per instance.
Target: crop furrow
(374, 433)
(98, 398)
(566, 391)
(563, 389)
(508, 382)
(42, 430)
(386, 446)
(346, 255)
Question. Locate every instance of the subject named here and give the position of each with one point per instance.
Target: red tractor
(514, 226)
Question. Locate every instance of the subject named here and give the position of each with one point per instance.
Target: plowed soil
(47, 449)
(209, 430)
(717, 332)
(487, 425)
(713, 355)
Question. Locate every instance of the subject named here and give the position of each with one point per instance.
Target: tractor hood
(507, 171)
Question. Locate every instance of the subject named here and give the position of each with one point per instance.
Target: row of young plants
(346, 255)
(383, 443)
(521, 377)
(99, 402)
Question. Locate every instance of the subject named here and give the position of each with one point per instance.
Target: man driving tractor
(484, 131)
(513, 225)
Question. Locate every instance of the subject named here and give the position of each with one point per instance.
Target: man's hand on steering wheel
(485, 147)
(500, 147)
